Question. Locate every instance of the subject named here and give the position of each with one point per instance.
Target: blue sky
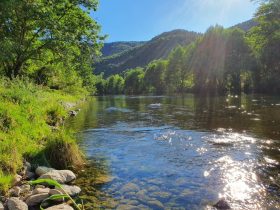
(141, 20)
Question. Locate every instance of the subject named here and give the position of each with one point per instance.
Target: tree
(175, 70)
(134, 81)
(238, 60)
(115, 84)
(154, 76)
(264, 40)
(41, 33)
(209, 62)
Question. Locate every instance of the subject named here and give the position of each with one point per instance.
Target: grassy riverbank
(31, 127)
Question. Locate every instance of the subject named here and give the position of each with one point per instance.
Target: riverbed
(180, 152)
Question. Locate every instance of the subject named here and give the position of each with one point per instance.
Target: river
(181, 152)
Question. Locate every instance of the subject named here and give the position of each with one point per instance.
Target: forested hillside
(157, 48)
(218, 62)
(247, 25)
(112, 48)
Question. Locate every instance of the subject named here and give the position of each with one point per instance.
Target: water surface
(183, 152)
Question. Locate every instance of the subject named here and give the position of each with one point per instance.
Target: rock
(41, 191)
(61, 176)
(73, 113)
(69, 175)
(56, 192)
(222, 204)
(34, 200)
(161, 195)
(141, 196)
(27, 165)
(17, 179)
(155, 204)
(71, 190)
(60, 207)
(26, 188)
(127, 207)
(40, 186)
(41, 170)
(30, 175)
(15, 191)
(16, 204)
(130, 187)
(1, 206)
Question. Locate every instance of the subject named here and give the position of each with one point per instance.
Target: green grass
(27, 115)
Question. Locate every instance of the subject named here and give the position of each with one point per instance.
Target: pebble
(34, 200)
(41, 191)
(60, 207)
(61, 176)
(222, 205)
(16, 204)
(71, 190)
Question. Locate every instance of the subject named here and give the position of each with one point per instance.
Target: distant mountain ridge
(118, 47)
(247, 25)
(140, 54)
(120, 56)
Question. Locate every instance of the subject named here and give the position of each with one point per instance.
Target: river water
(182, 152)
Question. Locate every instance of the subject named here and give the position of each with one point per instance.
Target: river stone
(127, 207)
(30, 175)
(15, 191)
(130, 187)
(56, 192)
(17, 179)
(40, 186)
(60, 207)
(71, 190)
(34, 200)
(41, 191)
(26, 188)
(41, 170)
(222, 204)
(16, 204)
(61, 176)
(155, 204)
(1, 206)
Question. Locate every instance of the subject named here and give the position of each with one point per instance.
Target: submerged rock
(130, 187)
(60, 207)
(127, 207)
(222, 204)
(16, 204)
(155, 204)
(155, 106)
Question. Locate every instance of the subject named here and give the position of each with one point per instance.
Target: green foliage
(264, 39)
(134, 81)
(26, 113)
(114, 84)
(54, 42)
(155, 75)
